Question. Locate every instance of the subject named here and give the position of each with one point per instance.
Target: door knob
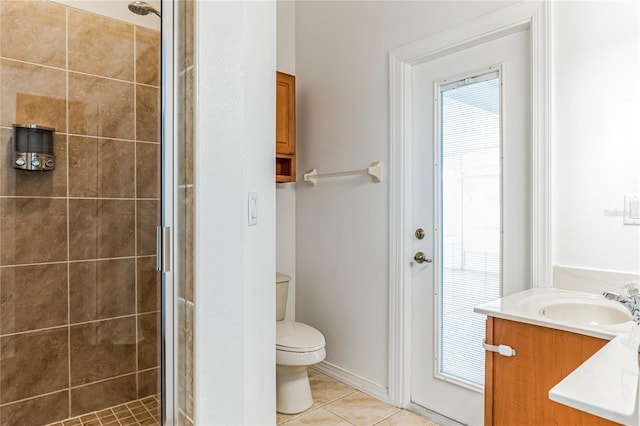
(420, 258)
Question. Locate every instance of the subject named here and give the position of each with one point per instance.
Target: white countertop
(525, 307)
(606, 384)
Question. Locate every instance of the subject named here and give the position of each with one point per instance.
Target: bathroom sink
(585, 314)
(580, 310)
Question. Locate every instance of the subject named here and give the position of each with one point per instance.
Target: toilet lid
(297, 337)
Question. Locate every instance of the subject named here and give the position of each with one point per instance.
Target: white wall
(286, 36)
(234, 337)
(343, 114)
(595, 133)
(286, 192)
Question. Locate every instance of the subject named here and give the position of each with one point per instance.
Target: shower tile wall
(79, 294)
(185, 102)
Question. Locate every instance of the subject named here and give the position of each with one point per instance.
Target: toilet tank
(282, 291)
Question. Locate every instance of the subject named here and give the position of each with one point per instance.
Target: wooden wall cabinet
(285, 127)
(517, 388)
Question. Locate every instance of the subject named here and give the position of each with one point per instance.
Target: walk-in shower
(81, 306)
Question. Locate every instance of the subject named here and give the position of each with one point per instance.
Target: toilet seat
(296, 337)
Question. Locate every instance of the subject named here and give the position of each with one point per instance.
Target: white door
(471, 195)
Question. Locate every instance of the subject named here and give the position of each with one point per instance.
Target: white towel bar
(374, 170)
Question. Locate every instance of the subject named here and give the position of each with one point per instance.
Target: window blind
(470, 220)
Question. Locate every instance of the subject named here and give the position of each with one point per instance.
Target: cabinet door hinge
(163, 251)
(503, 350)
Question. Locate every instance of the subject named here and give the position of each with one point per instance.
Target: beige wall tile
(188, 123)
(33, 31)
(101, 229)
(189, 367)
(27, 372)
(101, 46)
(148, 285)
(33, 297)
(101, 289)
(104, 349)
(101, 107)
(31, 94)
(147, 113)
(148, 345)
(98, 396)
(24, 183)
(181, 21)
(189, 249)
(83, 229)
(38, 411)
(148, 218)
(147, 170)
(149, 383)
(180, 259)
(181, 355)
(147, 56)
(101, 168)
(116, 228)
(189, 31)
(32, 230)
(83, 167)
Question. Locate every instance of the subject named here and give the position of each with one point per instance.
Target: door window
(470, 220)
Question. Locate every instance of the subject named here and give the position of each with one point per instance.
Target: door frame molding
(511, 19)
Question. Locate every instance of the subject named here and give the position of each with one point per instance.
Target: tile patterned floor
(142, 412)
(334, 404)
(337, 404)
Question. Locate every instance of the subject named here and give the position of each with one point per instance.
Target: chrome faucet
(631, 301)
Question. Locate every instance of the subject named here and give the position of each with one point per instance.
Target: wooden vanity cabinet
(517, 388)
(285, 127)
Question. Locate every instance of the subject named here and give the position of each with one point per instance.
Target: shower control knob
(35, 162)
(20, 161)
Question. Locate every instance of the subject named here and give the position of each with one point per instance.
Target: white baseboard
(432, 416)
(363, 385)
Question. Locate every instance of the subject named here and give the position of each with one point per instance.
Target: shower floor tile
(142, 412)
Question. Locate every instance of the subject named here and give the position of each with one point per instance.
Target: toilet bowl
(298, 346)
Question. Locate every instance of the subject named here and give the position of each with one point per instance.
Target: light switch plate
(253, 208)
(632, 209)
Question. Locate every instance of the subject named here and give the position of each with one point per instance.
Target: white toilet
(298, 346)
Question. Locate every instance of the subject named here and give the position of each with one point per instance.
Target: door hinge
(163, 249)
(503, 350)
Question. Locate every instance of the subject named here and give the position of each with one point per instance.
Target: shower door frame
(169, 187)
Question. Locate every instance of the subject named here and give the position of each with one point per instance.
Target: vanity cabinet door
(517, 388)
